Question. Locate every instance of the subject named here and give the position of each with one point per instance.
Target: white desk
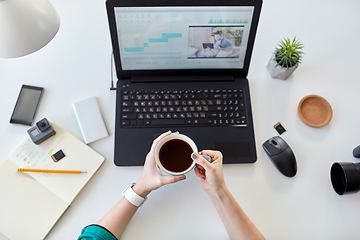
(76, 65)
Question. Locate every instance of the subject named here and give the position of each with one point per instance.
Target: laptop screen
(165, 38)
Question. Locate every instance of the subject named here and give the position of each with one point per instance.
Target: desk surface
(76, 65)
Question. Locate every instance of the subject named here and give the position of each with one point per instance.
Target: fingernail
(193, 156)
(182, 178)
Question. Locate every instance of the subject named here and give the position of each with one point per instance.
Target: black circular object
(345, 177)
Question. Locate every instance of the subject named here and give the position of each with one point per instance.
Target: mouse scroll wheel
(274, 143)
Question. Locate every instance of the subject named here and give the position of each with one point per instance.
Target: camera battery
(58, 156)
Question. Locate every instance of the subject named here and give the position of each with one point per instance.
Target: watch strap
(132, 196)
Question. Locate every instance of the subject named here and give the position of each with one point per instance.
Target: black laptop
(166, 81)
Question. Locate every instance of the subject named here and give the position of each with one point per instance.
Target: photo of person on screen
(222, 43)
(207, 50)
(209, 42)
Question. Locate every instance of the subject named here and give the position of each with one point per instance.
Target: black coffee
(175, 155)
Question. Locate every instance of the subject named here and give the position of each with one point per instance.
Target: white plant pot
(277, 71)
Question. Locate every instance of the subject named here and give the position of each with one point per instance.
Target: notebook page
(28, 210)
(78, 156)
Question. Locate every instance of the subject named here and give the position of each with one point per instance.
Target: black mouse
(356, 152)
(281, 155)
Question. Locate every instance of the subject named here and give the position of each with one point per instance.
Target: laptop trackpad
(234, 149)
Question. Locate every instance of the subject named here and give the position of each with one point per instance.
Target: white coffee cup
(184, 138)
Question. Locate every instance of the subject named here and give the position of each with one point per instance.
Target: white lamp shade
(26, 26)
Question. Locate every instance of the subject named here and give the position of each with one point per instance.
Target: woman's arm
(236, 222)
(120, 215)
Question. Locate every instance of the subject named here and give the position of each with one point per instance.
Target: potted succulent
(285, 59)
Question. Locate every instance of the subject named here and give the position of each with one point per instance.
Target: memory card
(58, 156)
(279, 128)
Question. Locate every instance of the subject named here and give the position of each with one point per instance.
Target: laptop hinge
(182, 78)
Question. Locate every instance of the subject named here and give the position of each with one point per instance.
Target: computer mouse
(281, 155)
(356, 152)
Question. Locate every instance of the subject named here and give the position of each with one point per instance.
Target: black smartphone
(27, 105)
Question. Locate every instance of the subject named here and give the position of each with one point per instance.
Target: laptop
(166, 82)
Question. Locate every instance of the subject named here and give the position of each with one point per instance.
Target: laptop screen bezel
(111, 4)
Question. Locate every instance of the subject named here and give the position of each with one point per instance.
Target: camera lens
(43, 124)
(345, 178)
(338, 179)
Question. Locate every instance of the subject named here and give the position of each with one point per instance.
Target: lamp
(26, 26)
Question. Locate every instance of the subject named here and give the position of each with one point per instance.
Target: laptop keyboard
(193, 107)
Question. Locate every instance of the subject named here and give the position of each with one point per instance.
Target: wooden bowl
(315, 111)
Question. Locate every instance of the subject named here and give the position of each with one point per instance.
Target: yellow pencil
(49, 171)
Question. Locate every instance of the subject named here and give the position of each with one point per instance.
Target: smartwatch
(132, 196)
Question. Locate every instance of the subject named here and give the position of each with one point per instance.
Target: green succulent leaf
(288, 53)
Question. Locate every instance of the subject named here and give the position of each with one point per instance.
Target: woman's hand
(151, 178)
(211, 174)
